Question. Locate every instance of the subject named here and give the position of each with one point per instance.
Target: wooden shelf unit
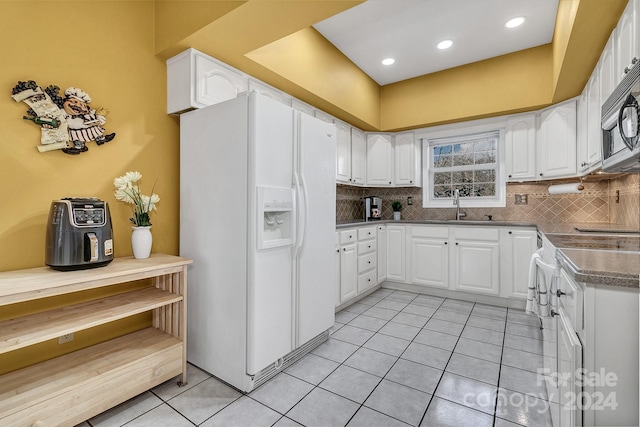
(71, 388)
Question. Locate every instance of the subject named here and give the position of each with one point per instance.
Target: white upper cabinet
(379, 160)
(589, 133)
(556, 141)
(408, 170)
(343, 158)
(324, 116)
(626, 40)
(358, 157)
(303, 106)
(581, 131)
(196, 80)
(521, 147)
(270, 91)
(607, 69)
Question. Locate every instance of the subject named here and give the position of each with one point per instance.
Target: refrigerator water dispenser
(276, 212)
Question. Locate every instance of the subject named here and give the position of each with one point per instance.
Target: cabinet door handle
(540, 173)
(369, 233)
(389, 182)
(368, 280)
(554, 313)
(456, 243)
(370, 263)
(559, 293)
(511, 232)
(369, 246)
(338, 250)
(446, 243)
(509, 176)
(344, 249)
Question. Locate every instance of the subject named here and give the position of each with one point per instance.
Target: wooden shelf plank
(85, 370)
(41, 282)
(32, 329)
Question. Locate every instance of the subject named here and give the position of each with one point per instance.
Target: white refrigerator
(257, 216)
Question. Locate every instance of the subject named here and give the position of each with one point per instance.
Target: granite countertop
(359, 223)
(613, 268)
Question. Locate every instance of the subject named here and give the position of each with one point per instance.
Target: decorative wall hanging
(67, 122)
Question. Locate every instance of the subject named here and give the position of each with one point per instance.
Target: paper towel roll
(566, 188)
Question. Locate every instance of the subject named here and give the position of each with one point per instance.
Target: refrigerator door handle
(303, 214)
(299, 233)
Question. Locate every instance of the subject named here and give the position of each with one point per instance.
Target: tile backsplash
(596, 203)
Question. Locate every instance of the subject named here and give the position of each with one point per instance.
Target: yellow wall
(506, 84)
(107, 49)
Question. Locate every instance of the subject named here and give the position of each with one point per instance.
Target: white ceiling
(408, 30)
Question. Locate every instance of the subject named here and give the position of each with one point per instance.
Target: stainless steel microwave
(621, 125)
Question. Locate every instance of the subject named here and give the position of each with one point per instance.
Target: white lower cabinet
(367, 259)
(429, 256)
(516, 247)
(396, 253)
(484, 260)
(348, 240)
(476, 260)
(610, 352)
(348, 271)
(358, 261)
(382, 252)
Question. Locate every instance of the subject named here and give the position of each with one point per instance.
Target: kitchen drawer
(366, 247)
(348, 236)
(367, 280)
(367, 262)
(572, 300)
(434, 231)
(365, 233)
(477, 233)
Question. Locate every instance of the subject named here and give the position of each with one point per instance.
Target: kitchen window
(469, 163)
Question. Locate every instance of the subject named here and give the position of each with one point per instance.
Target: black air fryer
(79, 234)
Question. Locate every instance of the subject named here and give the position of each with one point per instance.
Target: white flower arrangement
(128, 191)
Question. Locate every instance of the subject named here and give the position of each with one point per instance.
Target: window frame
(450, 137)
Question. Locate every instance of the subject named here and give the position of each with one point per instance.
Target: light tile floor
(395, 358)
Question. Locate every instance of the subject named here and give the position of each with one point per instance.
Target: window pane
(465, 189)
(486, 175)
(442, 178)
(484, 157)
(442, 156)
(442, 191)
(461, 177)
(484, 189)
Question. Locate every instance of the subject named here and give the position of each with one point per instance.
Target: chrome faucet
(456, 202)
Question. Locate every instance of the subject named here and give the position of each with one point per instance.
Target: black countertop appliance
(79, 234)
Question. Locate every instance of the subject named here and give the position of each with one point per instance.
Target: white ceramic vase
(396, 215)
(141, 240)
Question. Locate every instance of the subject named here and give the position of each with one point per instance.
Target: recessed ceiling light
(445, 44)
(514, 22)
(388, 61)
